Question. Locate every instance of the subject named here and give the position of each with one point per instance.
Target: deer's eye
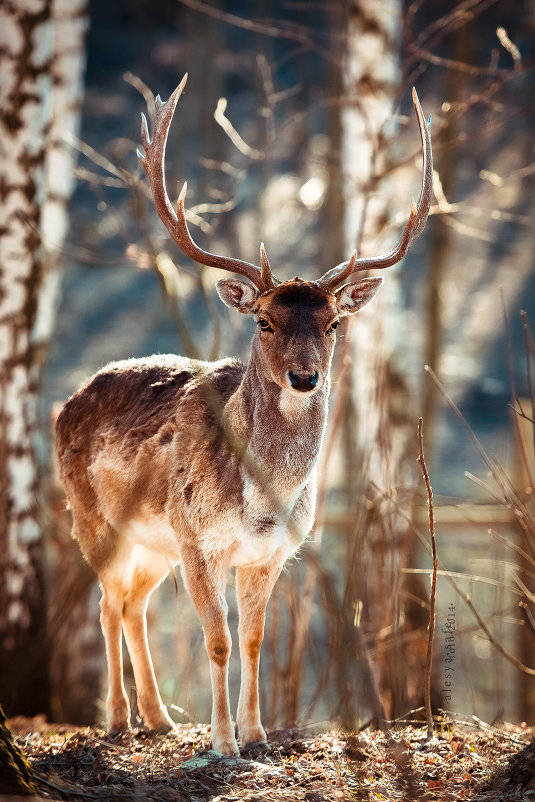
(264, 325)
(333, 327)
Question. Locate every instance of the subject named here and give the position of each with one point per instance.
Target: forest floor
(462, 762)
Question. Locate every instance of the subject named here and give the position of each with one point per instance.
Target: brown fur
(167, 460)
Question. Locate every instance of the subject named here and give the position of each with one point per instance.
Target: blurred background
(297, 129)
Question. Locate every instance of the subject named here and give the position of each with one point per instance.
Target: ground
(464, 761)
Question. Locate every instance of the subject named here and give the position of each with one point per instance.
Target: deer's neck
(281, 431)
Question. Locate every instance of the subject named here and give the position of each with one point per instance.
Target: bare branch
(511, 48)
(285, 30)
(222, 120)
(451, 64)
(143, 89)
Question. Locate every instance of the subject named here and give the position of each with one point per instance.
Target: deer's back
(141, 395)
(134, 441)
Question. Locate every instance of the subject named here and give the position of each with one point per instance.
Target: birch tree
(379, 396)
(41, 67)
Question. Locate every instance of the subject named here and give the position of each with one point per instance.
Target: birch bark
(41, 67)
(379, 395)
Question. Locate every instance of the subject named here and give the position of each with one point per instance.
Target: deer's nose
(303, 381)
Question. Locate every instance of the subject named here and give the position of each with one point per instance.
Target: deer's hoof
(160, 722)
(118, 720)
(228, 747)
(256, 749)
(255, 734)
(163, 729)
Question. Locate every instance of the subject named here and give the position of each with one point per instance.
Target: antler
(153, 161)
(334, 277)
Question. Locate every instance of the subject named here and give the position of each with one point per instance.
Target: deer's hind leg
(99, 543)
(147, 573)
(111, 614)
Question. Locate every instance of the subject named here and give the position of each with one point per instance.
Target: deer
(211, 466)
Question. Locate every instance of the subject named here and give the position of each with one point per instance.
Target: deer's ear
(238, 295)
(353, 297)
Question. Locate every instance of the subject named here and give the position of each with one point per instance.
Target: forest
(399, 650)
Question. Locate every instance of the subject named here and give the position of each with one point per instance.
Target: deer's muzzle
(303, 382)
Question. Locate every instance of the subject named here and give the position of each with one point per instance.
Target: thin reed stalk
(432, 600)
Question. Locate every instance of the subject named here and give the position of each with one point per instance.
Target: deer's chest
(241, 546)
(265, 523)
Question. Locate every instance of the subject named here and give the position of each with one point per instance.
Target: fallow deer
(211, 465)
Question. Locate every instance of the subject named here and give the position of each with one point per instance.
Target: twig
(527, 615)
(432, 601)
(285, 30)
(72, 790)
(530, 353)
(143, 90)
(511, 48)
(514, 546)
(233, 135)
(515, 400)
(520, 412)
(473, 437)
(467, 599)
(460, 575)
(451, 64)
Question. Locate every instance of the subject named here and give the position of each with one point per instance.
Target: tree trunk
(16, 777)
(41, 67)
(383, 427)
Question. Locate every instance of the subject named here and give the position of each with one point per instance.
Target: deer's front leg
(253, 586)
(205, 579)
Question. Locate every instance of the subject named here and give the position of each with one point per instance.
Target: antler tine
(153, 160)
(267, 275)
(415, 224)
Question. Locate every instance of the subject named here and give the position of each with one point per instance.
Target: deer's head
(296, 319)
(296, 323)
